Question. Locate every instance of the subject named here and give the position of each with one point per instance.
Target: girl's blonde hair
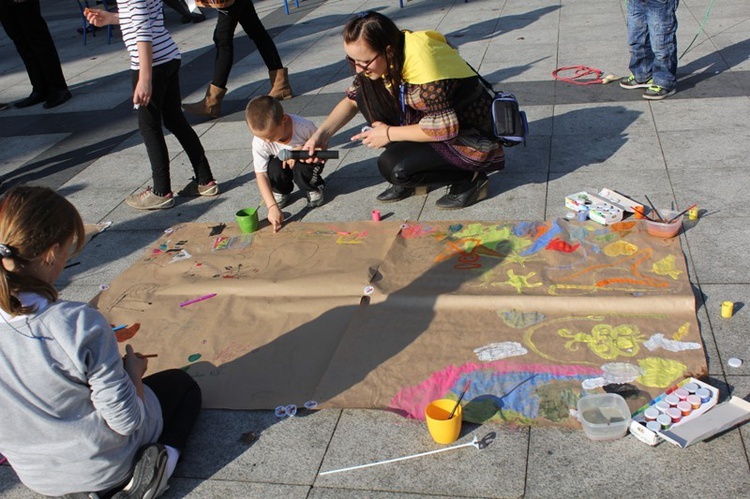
(32, 220)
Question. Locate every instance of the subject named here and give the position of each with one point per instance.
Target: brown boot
(280, 88)
(211, 103)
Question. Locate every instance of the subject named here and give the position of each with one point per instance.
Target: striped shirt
(143, 21)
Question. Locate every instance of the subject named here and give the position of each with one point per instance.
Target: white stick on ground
(474, 443)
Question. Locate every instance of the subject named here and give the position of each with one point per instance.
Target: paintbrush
(681, 213)
(661, 219)
(459, 399)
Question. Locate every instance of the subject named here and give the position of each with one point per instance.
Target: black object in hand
(287, 154)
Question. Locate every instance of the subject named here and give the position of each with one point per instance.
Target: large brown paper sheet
(378, 315)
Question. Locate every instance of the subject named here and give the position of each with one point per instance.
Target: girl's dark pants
(165, 109)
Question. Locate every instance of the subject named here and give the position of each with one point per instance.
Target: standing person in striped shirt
(155, 65)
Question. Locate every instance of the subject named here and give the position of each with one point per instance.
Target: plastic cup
(443, 429)
(247, 219)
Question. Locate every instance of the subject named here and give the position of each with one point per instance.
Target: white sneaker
(315, 198)
(281, 199)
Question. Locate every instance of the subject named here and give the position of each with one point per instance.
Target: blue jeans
(652, 37)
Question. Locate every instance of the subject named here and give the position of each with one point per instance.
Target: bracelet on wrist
(387, 134)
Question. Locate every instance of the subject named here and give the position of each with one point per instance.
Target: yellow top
(428, 57)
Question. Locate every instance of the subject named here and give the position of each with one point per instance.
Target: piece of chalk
(376, 215)
(117, 328)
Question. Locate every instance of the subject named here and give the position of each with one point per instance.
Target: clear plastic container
(663, 229)
(604, 416)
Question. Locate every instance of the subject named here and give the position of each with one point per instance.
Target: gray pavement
(691, 148)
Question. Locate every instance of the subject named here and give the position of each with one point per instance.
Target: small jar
(704, 394)
(651, 414)
(654, 425)
(691, 388)
(685, 408)
(661, 406)
(694, 401)
(665, 421)
(681, 393)
(675, 414)
(671, 400)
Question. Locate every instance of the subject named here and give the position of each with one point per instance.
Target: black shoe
(197, 17)
(464, 194)
(148, 477)
(32, 100)
(57, 98)
(395, 193)
(4, 106)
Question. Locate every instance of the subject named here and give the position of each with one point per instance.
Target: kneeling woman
(427, 108)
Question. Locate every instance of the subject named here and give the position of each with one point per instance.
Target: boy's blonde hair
(32, 220)
(263, 113)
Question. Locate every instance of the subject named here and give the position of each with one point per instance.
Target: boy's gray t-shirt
(71, 418)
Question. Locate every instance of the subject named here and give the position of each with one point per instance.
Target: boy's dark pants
(307, 176)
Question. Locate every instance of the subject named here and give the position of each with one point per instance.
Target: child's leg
(641, 55)
(149, 125)
(180, 399)
(281, 178)
(308, 176)
(175, 121)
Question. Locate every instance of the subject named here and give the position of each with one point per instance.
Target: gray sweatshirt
(71, 420)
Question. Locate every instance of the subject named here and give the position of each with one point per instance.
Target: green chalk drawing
(194, 357)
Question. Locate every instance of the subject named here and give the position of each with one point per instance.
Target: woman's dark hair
(32, 220)
(382, 35)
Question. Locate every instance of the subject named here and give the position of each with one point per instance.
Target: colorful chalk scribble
(500, 391)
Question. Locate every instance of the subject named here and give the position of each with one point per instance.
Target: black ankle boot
(395, 193)
(464, 194)
(33, 99)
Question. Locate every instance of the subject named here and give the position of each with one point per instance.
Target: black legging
(165, 109)
(24, 24)
(242, 12)
(414, 164)
(180, 399)
(409, 164)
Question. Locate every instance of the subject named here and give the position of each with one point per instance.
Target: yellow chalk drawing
(606, 341)
(660, 373)
(665, 266)
(682, 332)
(620, 247)
(519, 281)
(351, 237)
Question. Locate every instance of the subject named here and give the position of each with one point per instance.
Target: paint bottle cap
(570, 215)
(704, 394)
(694, 401)
(734, 362)
(681, 393)
(691, 387)
(685, 407)
(654, 425)
(661, 406)
(664, 420)
(675, 414)
(651, 414)
(671, 400)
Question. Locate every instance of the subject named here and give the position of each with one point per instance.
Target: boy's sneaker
(149, 476)
(655, 92)
(630, 83)
(195, 189)
(315, 198)
(281, 199)
(147, 200)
